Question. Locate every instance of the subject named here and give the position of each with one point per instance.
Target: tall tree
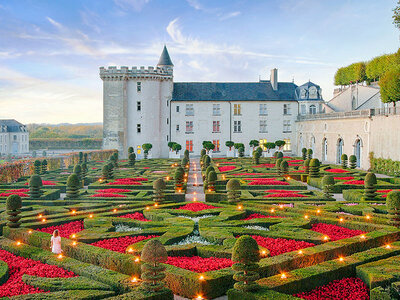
(390, 86)
(396, 15)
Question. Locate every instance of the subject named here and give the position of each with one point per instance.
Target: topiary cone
(211, 180)
(314, 168)
(159, 186)
(393, 207)
(370, 186)
(13, 207)
(328, 182)
(73, 186)
(353, 161)
(153, 253)
(35, 185)
(233, 188)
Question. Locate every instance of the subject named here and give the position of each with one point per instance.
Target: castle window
(313, 109)
(286, 109)
(216, 109)
(189, 145)
(139, 87)
(288, 145)
(189, 110)
(177, 108)
(263, 126)
(216, 144)
(237, 109)
(237, 126)
(189, 126)
(216, 126)
(138, 128)
(287, 126)
(139, 106)
(263, 109)
(177, 127)
(303, 109)
(15, 137)
(167, 121)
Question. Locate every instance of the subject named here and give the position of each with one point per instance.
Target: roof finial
(165, 60)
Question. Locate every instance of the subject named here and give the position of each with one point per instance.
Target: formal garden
(269, 228)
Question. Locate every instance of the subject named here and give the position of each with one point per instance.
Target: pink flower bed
(108, 195)
(344, 178)
(284, 195)
(295, 161)
(355, 182)
(227, 162)
(135, 216)
(197, 206)
(113, 191)
(226, 168)
(298, 171)
(120, 244)
(344, 289)
(265, 166)
(65, 230)
(128, 181)
(19, 266)
(335, 232)
(336, 171)
(199, 264)
(45, 182)
(258, 216)
(278, 246)
(22, 195)
(384, 191)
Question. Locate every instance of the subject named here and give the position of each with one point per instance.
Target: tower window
(167, 121)
(139, 87)
(177, 127)
(177, 108)
(237, 109)
(139, 128)
(216, 109)
(139, 106)
(286, 109)
(189, 110)
(237, 126)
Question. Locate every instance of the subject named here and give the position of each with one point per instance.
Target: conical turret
(165, 60)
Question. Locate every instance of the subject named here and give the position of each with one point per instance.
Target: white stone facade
(14, 138)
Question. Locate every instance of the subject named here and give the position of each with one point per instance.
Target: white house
(14, 137)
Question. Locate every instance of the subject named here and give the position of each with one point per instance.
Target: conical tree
(306, 165)
(278, 165)
(241, 151)
(105, 173)
(344, 161)
(233, 188)
(284, 167)
(314, 168)
(153, 253)
(208, 170)
(353, 161)
(159, 186)
(246, 255)
(85, 158)
(186, 153)
(84, 171)
(211, 181)
(393, 208)
(184, 162)
(206, 162)
(132, 159)
(130, 150)
(44, 166)
(370, 186)
(37, 167)
(35, 185)
(328, 182)
(78, 172)
(279, 154)
(304, 153)
(73, 186)
(110, 170)
(178, 177)
(256, 157)
(80, 158)
(13, 207)
(309, 153)
(202, 153)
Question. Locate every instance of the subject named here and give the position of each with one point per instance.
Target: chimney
(274, 79)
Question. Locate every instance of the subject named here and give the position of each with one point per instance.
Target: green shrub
(105, 173)
(353, 161)
(13, 207)
(309, 153)
(146, 148)
(80, 157)
(306, 165)
(186, 153)
(130, 150)
(37, 167)
(328, 182)
(279, 154)
(84, 171)
(132, 159)
(278, 164)
(110, 170)
(44, 166)
(178, 177)
(159, 186)
(284, 168)
(211, 180)
(304, 153)
(233, 188)
(246, 255)
(153, 253)
(35, 185)
(259, 150)
(184, 162)
(206, 162)
(344, 161)
(393, 207)
(203, 152)
(73, 186)
(314, 168)
(370, 186)
(256, 157)
(78, 172)
(241, 151)
(85, 158)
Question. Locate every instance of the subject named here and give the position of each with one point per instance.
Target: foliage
(314, 168)
(269, 146)
(37, 167)
(238, 145)
(233, 189)
(159, 187)
(390, 86)
(309, 153)
(44, 166)
(396, 15)
(35, 185)
(353, 161)
(64, 143)
(278, 164)
(211, 180)
(146, 148)
(280, 144)
(13, 206)
(241, 151)
(351, 74)
(304, 153)
(130, 150)
(393, 207)
(344, 159)
(208, 145)
(254, 143)
(73, 186)
(132, 159)
(176, 147)
(256, 157)
(71, 131)
(178, 177)
(328, 182)
(229, 144)
(284, 167)
(370, 186)
(384, 166)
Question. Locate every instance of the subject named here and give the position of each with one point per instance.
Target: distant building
(14, 137)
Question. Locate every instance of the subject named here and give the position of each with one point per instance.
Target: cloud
(135, 5)
(230, 15)
(195, 4)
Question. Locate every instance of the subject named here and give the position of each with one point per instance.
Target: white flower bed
(125, 228)
(256, 227)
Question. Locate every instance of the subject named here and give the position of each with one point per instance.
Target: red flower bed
(279, 191)
(65, 230)
(120, 244)
(113, 191)
(199, 264)
(335, 232)
(246, 174)
(336, 171)
(136, 216)
(283, 195)
(294, 165)
(258, 216)
(227, 162)
(197, 206)
(356, 182)
(128, 181)
(22, 195)
(346, 288)
(298, 171)
(384, 191)
(45, 182)
(19, 190)
(108, 195)
(279, 246)
(295, 161)
(19, 266)
(226, 168)
(267, 182)
(344, 178)
(265, 166)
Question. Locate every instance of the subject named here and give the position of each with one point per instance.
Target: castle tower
(136, 107)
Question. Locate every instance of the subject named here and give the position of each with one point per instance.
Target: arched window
(357, 151)
(313, 109)
(339, 151)
(325, 149)
(312, 144)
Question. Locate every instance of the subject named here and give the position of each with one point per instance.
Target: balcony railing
(352, 114)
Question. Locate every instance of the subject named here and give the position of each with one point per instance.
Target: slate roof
(231, 91)
(165, 60)
(11, 126)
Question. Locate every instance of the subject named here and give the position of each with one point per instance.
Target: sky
(51, 51)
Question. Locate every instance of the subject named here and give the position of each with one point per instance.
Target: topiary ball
(314, 162)
(13, 202)
(233, 185)
(212, 176)
(353, 158)
(73, 180)
(344, 157)
(159, 184)
(284, 164)
(77, 169)
(307, 162)
(154, 251)
(278, 163)
(246, 250)
(393, 201)
(370, 179)
(35, 181)
(279, 155)
(37, 163)
(209, 169)
(328, 180)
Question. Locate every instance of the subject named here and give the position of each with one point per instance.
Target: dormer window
(313, 92)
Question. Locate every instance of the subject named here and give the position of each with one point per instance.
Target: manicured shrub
(73, 186)
(110, 170)
(304, 153)
(105, 173)
(159, 186)
(306, 165)
(80, 157)
(132, 159)
(328, 181)
(78, 172)
(130, 150)
(153, 253)
(114, 159)
(314, 168)
(279, 154)
(278, 165)
(84, 171)
(85, 158)
(202, 153)
(13, 207)
(344, 161)
(284, 168)
(370, 186)
(146, 148)
(229, 144)
(233, 188)
(211, 180)
(184, 162)
(256, 157)
(178, 177)
(309, 153)
(246, 255)
(393, 207)
(186, 153)
(206, 162)
(37, 167)
(44, 166)
(176, 147)
(208, 170)
(35, 185)
(241, 151)
(259, 150)
(353, 161)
